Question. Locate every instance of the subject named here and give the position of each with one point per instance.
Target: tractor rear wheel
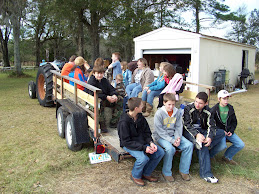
(44, 85)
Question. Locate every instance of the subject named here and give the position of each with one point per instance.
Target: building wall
(215, 55)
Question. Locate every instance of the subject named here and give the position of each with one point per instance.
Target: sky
(234, 5)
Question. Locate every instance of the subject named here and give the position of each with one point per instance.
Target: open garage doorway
(181, 62)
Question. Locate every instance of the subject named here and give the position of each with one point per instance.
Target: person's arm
(101, 95)
(149, 78)
(187, 121)
(233, 123)
(161, 129)
(125, 137)
(211, 125)
(160, 85)
(147, 132)
(178, 125)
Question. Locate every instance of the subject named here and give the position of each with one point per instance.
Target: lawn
(35, 159)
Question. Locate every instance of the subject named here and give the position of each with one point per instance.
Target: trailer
(77, 114)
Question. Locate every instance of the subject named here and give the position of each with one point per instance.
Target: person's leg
(186, 156)
(144, 95)
(117, 111)
(129, 89)
(141, 161)
(125, 100)
(168, 158)
(102, 123)
(154, 160)
(151, 96)
(218, 143)
(160, 98)
(237, 145)
(136, 90)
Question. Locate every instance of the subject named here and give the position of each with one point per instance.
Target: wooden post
(75, 91)
(61, 88)
(96, 117)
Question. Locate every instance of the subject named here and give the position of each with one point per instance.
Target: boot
(144, 106)
(148, 110)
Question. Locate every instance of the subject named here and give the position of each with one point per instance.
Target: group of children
(199, 127)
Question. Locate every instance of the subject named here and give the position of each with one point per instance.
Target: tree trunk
(94, 34)
(197, 18)
(80, 40)
(38, 47)
(16, 34)
(4, 47)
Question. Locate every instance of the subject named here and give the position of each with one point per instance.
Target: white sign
(97, 158)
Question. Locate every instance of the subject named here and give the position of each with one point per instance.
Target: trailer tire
(70, 134)
(44, 83)
(61, 121)
(32, 89)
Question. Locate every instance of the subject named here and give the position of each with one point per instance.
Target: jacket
(174, 85)
(147, 77)
(231, 123)
(127, 77)
(66, 69)
(166, 127)
(134, 135)
(78, 74)
(104, 85)
(158, 84)
(190, 117)
(116, 66)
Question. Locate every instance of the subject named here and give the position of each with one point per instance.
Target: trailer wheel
(32, 89)
(44, 85)
(61, 121)
(70, 134)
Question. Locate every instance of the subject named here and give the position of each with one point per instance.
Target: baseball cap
(223, 94)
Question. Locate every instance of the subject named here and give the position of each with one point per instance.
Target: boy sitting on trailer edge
(135, 138)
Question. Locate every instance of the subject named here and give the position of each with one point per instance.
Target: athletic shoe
(211, 179)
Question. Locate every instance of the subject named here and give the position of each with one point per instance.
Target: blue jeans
(204, 152)
(145, 164)
(125, 100)
(237, 145)
(150, 97)
(133, 89)
(186, 155)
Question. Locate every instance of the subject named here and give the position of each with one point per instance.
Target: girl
(142, 76)
(126, 73)
(175, 84)
(152, 90)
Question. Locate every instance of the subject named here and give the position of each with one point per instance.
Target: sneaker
(185, 177)
(232, 162)
(211, 179)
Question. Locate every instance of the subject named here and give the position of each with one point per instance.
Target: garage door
(167, 51)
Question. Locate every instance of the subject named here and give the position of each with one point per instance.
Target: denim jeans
(125, 100)
(145, 164)
(133, 89)
(204, 152)
(186, 156)
(150, 97)
(237, 145)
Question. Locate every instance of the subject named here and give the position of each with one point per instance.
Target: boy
(225, 119)
(108, 96)
(120, 89)
(199, 128)
(115, 65)
(168, 133)
(135, 138)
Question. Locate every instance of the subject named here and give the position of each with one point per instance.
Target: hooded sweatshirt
(166, 127)
(134, 135)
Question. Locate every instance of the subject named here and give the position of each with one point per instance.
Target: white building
(196, 54)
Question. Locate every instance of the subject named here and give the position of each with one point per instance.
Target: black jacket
(104, 85)
(231, 122)
(190, 117)
(134, 135)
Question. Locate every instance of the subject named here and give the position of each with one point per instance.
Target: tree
(213, 11)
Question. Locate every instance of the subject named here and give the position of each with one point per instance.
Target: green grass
(32, 153)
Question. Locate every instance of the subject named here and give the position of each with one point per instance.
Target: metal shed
(196, 55)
